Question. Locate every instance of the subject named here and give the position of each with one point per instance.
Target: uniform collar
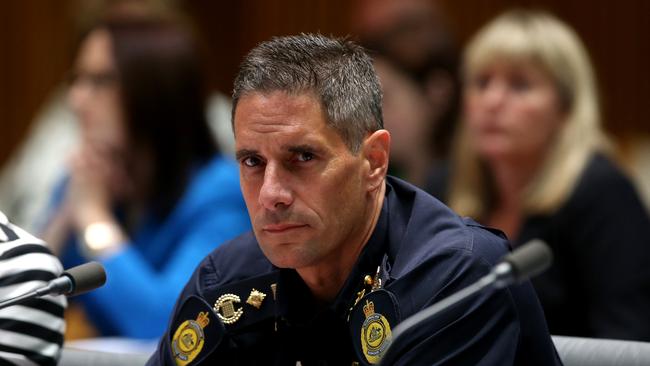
(369, 260)
(295, 299)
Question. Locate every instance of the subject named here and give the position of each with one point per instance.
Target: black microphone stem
(58, 286)
(19, 299)
(76, 280)
(528, 260)
(498, 278)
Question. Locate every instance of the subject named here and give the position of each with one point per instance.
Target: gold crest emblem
(225, 308)
(188, 339)
(255, 298)
(375, 334)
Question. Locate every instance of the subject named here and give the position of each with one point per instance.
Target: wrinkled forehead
(278, 109)
(276, 99)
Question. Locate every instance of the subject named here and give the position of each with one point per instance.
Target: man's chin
(289, 263)
(285, 257)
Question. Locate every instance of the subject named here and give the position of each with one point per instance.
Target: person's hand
(89, 197)
(97, 177)
(97, 180)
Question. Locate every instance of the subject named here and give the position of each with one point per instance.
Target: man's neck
(325, 280)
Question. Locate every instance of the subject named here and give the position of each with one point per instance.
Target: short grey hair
(337, 71)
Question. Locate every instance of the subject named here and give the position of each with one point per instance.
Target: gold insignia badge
(189, 338)
(255, 298)
(225, 308)
(375, 334)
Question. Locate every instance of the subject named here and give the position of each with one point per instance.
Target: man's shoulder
(470, 246)
(236, 281)
(488, 243)
(427, 228)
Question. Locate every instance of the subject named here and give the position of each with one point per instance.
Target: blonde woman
(532, 160)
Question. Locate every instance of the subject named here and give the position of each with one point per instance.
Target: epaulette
(470, 222)
(197, 332)
(200, 323)
(371, 321)
(245, 303)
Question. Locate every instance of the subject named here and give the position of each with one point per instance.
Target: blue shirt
(145, 278)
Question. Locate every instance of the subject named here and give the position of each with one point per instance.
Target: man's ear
(376, 149)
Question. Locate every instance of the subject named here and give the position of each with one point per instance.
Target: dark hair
(163, 100)
(337, 71)
(445, 61)
(438, 58)
(417, 40)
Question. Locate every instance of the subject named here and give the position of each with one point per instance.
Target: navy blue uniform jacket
(424, 252)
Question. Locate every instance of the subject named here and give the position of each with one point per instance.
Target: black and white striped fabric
(31, 333)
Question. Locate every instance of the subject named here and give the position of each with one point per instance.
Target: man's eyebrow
(244, 152)
(301, 148)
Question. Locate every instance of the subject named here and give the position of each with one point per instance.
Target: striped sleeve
(30, 333)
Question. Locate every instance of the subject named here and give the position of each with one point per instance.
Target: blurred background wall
(37, 38)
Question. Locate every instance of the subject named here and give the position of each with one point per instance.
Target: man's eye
(251, 161)
(305, 156)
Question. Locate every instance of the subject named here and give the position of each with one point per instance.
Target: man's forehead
(278, 107)
(279, 98)
(287, 140)
(283, 121)
(264, 112)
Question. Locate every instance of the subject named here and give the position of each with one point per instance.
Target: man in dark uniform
(339, 253)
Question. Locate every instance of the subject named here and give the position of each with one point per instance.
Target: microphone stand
(528, 260)
(59, 286)
(501, 276)
(74, 281)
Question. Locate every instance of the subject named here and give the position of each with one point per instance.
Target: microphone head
(530, 259)
(86, 277)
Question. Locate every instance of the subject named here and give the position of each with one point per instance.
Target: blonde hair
(538, 37)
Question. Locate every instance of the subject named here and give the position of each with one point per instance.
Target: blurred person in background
(148, 193)
(38, 163)
(417, 63)
(408, 116)
(31, 333)
(34, 168)
(531, 159)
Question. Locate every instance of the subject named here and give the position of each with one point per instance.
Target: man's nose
(275, 193)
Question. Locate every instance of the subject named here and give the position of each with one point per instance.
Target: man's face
(306, 193)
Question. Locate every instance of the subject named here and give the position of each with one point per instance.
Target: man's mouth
(281, 228)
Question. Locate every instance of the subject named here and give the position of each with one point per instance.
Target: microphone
(74, 281)
(524, 262)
